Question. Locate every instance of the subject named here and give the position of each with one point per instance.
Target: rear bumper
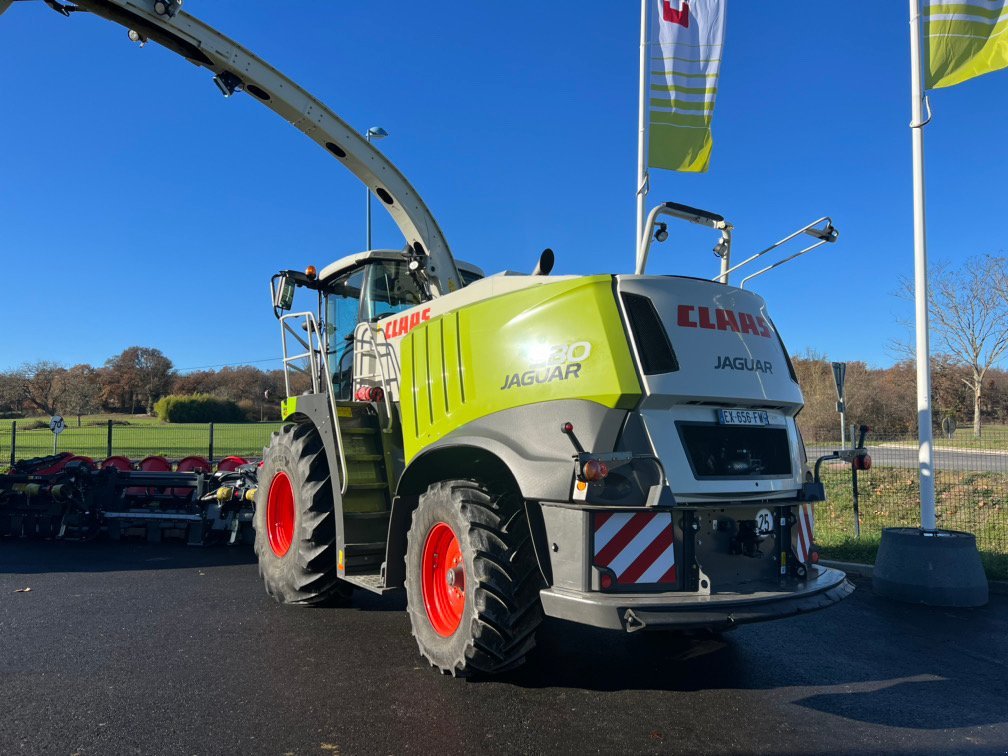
(633, 612)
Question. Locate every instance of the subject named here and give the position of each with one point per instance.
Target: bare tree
(969, 319)
(40, 386)
(81, 390)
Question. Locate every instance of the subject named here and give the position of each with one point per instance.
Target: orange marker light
(311, 272)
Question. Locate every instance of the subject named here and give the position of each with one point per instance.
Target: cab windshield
(389, 289)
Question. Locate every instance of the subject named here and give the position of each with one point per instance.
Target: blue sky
(138, 206)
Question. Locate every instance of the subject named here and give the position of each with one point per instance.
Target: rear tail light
(594, 470)
(862, 462)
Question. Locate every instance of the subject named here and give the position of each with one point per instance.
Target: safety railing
(822, 230)
(316, 368)
(369, 330)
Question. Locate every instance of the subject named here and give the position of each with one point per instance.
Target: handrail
(316, 366)
(370, 328)
(826, 235)
(692, 215)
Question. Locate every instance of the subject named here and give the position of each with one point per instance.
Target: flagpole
(642, 177)
(925, 451)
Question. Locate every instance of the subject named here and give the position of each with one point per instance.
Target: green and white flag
(686, 42)
(964, 39)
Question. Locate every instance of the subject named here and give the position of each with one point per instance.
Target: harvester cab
(616, 450)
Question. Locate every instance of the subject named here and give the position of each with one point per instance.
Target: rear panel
(702, 348)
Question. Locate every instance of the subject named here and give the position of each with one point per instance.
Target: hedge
(198, 408)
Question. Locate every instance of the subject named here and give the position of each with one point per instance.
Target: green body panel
(288, 407)
(562, 340)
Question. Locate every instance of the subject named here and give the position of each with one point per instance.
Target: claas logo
(401, 326)
(718, 319)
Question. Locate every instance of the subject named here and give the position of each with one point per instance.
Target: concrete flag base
(933, 567)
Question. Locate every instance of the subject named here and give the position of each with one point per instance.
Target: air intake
(656, 353)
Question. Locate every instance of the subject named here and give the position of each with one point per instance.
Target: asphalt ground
(137, 648)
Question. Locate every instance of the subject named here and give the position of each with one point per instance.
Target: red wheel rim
(443, 580)
(280, 514)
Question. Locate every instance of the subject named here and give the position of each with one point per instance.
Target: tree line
(131, 382)
(968, 313)
(885, 399)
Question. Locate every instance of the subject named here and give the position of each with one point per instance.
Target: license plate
(743, 417)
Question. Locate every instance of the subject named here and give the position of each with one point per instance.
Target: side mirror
(283, 294)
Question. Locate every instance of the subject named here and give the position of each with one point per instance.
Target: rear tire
(295, 524)
(488, 625)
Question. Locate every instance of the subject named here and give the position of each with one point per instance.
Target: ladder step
(384, 514)
(359, 431)
(364, 457)
(366, 486)
(369, 581)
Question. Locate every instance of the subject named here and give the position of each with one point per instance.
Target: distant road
(945, 459)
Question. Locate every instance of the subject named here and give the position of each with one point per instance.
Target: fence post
(108, 450)
(210, 457)
(13, 442)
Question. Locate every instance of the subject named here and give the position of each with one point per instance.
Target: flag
(964, 39)
(686, 40)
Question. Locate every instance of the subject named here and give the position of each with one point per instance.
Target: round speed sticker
(764, 522)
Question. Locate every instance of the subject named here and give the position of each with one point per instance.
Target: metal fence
(106, 438)
(971, 488)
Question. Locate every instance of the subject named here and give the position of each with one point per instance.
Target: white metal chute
(236, 68)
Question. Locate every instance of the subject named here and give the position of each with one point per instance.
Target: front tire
(472, 581)
(295, 524)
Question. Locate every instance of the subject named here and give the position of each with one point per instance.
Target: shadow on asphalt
(867, 660)
(36, 557)
(902, 705)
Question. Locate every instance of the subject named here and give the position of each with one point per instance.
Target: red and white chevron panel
(639, 547)
(805, 529)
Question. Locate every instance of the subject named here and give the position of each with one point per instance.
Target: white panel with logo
(722, 419)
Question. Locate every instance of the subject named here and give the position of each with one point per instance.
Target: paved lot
(891, 455)
(130, 648)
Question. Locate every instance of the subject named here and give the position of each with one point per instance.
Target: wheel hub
(443, 580)
(280, 514)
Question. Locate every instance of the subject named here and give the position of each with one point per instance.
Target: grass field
(976, 502)
(134, 436)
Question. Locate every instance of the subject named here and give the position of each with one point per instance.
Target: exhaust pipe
(545, 264)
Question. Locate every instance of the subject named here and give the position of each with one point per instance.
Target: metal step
(369, 581)
(364, 458)
(383, 514)
(366, 486)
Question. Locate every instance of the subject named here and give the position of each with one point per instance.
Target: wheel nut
(455, 577)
